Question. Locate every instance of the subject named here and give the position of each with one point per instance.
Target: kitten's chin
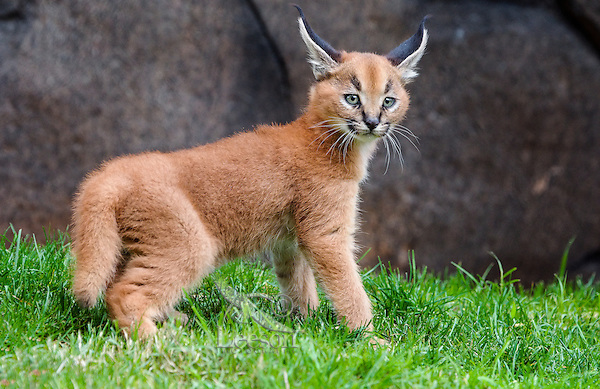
(361, 134)
(368, 137)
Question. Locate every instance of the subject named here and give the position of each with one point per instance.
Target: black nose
(371, 123)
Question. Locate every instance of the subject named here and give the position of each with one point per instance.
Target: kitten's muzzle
(369, 128)
(371, 123)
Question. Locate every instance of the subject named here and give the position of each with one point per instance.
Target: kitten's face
(364, 97)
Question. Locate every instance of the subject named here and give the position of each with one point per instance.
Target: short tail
(96, 241)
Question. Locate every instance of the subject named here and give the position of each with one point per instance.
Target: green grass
(457, 331)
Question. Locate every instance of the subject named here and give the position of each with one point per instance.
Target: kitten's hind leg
(295, 278)
(147, 290)
(171, 251)
(133, 302)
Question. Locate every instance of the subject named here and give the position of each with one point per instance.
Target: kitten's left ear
(406, 56)
(321, 55)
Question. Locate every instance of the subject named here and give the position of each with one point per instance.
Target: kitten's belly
(255, 237)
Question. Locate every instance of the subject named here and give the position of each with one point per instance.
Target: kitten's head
(361, 94)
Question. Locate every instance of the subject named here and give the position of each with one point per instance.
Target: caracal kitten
(147, 227)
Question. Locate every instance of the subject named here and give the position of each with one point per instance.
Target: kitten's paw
(378, 342)
(181, 319)
(142, 330)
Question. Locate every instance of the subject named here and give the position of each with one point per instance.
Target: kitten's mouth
(366, 133)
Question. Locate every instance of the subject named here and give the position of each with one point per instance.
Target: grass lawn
(456, 331)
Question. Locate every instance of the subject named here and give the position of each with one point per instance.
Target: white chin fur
(363, 134)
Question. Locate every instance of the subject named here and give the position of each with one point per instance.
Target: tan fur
(147, 227)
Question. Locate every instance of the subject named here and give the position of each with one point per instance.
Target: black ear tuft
(408, 54)
(333, 53)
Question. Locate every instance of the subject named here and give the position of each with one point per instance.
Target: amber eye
(389, 102)
(352, 99)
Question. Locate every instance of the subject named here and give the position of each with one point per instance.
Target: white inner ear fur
(319, 60)
(408, 67)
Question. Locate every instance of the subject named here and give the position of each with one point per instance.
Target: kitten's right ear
(321, 55)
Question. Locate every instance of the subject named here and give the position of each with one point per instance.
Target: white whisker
(336, 126)
(396, 146)
(347, 142)
(387, 154)
(341, 155)
(407, 130)
(327, 137)
(325, 123)
(329, 133)
(333, 146)
(407, 134)
(410, 140)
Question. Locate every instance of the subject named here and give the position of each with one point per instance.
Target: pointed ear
(321, 55)
(406, 56)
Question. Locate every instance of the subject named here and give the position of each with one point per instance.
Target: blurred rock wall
(507, 110)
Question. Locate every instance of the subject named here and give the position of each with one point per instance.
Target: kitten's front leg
(331, 256)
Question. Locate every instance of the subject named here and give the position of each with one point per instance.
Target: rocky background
(507, 110)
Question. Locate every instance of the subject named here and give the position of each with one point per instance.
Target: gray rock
(507, 111)
(506, 108)
(89, 80)
(585, 15)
